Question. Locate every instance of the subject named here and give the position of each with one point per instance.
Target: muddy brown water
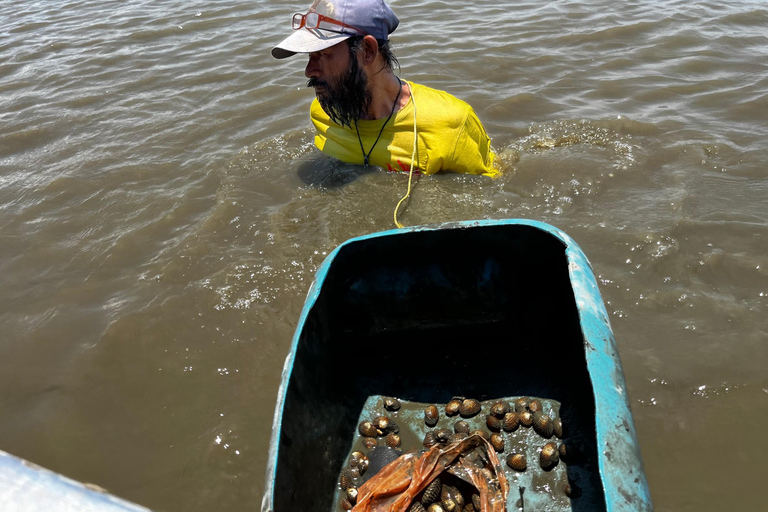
(163, 213)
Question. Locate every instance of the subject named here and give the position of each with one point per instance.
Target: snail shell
(557, 428)
(429, 439)
(469, 408)
(517, 462)
(476, 501)
(451, 499)
(452, 407)
(416, 507)
(542, 424)
(393, 440)
(521, 404)
(493, 423)
(352, 495)
(500, 408)
(431, 415)
(526, 418)
(385, 425)
(432, 492)
(358, 461)
(391, 404)
(469, 507)
(346, 480)
(356, 457)
(435, 507)
(345, 504)
(367, 429)
(510, 422)
(549, 457)
(370, 442)
(381, 423)
(481, 433)
(461, 426)
(535, 406)
(443, 435)
(497, 441)
(390, 426)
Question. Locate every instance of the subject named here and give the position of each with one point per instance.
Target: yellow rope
(413, 158)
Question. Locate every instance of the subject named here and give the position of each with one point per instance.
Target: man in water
(364, 113)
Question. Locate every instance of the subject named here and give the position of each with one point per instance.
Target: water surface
(162, 213)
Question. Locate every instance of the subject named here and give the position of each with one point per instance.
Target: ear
(370, 49)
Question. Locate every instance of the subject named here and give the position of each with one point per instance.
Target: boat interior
(425, 316)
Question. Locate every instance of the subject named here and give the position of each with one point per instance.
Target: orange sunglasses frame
(320, 19)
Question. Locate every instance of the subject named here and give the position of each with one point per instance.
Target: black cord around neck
(394, 105)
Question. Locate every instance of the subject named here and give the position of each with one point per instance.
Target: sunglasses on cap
(314, 20)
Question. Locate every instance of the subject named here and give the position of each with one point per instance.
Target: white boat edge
(27, 487)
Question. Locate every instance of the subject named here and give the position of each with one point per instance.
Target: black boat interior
(424, 316)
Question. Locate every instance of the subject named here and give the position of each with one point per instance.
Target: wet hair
(390, 61)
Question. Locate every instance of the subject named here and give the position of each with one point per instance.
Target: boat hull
(486, 309)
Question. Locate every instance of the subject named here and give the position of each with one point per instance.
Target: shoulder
(429, 94)
(441, 107)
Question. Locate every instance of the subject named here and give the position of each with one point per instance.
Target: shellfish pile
(446, 493)
(517, 428)
(350, 478)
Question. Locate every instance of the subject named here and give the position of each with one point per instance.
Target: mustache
(314, 82)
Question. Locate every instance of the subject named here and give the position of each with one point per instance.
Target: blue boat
(487, 309)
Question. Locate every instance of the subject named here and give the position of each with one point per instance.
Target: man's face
(340, 84)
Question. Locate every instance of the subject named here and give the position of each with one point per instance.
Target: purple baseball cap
(334, 21)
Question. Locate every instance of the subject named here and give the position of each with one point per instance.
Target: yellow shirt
(450, 136)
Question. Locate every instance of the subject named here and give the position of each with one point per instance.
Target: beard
(345, 98)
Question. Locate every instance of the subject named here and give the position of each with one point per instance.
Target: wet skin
(327, 65)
